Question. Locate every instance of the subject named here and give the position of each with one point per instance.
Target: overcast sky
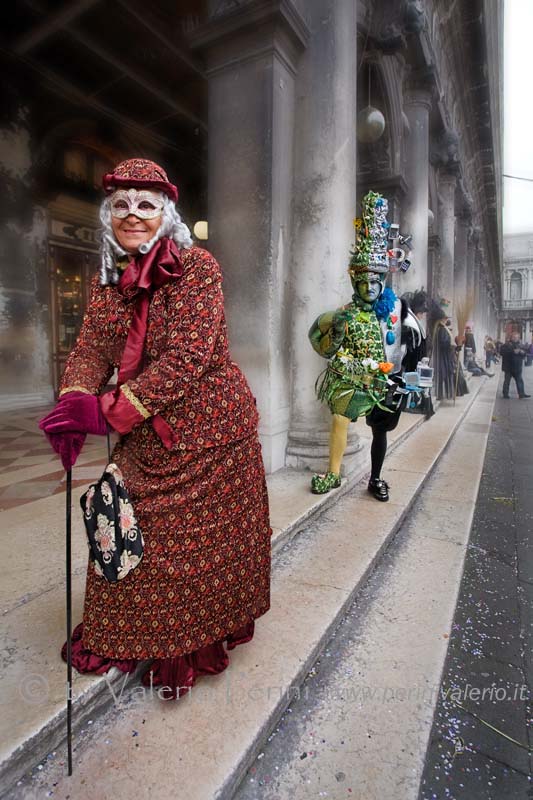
(518, 116)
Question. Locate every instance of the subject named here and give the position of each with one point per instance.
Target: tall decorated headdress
(370, 253)
(379, 246)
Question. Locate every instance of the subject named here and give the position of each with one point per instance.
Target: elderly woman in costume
(188, 451)
(363, 342)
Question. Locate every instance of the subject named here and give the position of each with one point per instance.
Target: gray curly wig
(171, 226)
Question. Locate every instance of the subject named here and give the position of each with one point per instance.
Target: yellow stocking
(338, 438)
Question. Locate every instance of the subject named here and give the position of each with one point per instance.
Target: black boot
(379, 489)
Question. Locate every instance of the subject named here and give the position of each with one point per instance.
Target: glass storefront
(71, 271)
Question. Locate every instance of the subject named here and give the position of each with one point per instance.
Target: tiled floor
(23, 446)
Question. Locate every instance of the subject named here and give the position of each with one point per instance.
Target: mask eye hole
(120, 205)
(145, 205)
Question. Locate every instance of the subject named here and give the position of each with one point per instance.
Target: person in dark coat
(513, 354)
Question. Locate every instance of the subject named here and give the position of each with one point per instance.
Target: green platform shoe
(320, 484)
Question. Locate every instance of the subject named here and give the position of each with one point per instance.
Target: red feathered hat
(139, 173)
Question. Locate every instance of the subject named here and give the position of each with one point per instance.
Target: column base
(273, 448)
(309, 449)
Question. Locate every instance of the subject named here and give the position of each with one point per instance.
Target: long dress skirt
(205, 574)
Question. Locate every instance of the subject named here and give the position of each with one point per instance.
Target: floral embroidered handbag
(113, 535)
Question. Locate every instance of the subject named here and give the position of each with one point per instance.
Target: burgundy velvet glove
(75, 411)
(68, 446)
(66, 427)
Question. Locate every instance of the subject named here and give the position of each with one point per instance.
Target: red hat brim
(110, 182)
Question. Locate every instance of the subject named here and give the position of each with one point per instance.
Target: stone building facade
(517, 279)
(259, 129)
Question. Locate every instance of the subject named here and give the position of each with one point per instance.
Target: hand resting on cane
(66, 427)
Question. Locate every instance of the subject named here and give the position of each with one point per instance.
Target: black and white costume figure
(414, 330)
(414, 342)
(382, 422)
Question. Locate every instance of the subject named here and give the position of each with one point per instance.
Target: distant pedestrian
(469, 342)
(490, 351)
(529, 354)
(513, 354)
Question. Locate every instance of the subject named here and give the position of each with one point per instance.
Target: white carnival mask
(142, 203)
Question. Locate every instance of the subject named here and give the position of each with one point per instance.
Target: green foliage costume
(347, 386)
(361, 339)
(355, 379)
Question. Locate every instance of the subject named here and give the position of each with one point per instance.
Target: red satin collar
(143, 275)
(152, 270)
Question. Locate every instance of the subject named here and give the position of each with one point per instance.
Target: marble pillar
(433, 263)
(252, 61)
(476, 314)
(444, 284)
(485, 309)
(323, 213)
(462, 227)
(417, 105)
(473, 238)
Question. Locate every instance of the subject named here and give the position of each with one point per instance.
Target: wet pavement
(481, 740)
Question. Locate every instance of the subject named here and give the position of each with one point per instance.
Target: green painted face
(368, 287)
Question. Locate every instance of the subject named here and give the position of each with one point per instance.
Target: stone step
(373, 690)
(32, 598)
(205, 742)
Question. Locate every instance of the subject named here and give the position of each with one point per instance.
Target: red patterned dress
(202, 505)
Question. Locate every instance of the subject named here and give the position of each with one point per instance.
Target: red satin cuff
(123, 416)
(164, 431)
(119, 412)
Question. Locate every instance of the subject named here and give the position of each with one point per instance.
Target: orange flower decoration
(385, 366)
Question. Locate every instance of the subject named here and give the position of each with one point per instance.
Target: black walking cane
(69, 621)
(69, 607)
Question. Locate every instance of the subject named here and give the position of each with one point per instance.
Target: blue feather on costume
(385, 304)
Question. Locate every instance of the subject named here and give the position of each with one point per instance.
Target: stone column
(479, 329)
(323, 212)
(462, 227)
(492, 320)
(417, 105)
(473, 239)
(444, 280)
(486, 309)
(252, 58)
(433, 263)
(476, 314)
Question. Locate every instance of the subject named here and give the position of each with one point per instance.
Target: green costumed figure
(362, 341)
